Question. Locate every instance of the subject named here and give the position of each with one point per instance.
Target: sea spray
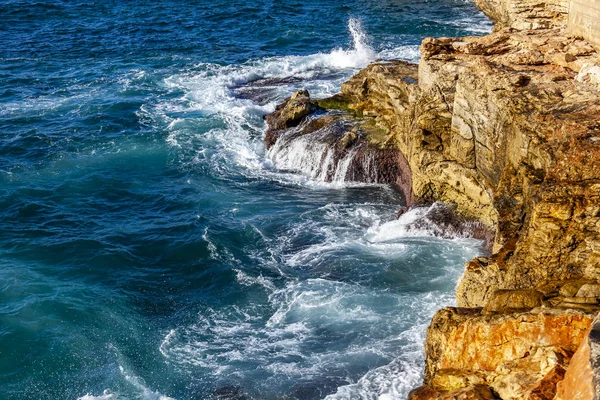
(150, 246)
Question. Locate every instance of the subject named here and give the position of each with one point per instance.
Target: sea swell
(155, 250)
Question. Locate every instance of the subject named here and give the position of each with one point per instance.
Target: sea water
(151, 248)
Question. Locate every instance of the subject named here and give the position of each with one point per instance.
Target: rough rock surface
(581, 380)
(506, 128)
(584, 20)
(515, 354)
(335, 147)
(475, 392)
(526, 14)
(288, 114)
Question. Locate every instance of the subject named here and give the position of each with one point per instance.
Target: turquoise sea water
(149, 247)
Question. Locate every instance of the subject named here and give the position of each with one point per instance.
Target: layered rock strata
(506, 128)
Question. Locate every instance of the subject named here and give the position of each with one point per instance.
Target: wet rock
(264, 90)
(505, 127)
(230, 393)
(288, 114)
(446, 222)
(334, 147)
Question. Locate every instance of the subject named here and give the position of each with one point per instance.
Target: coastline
(503, 128)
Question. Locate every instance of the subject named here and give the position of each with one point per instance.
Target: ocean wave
(136, 385)
(225, 97)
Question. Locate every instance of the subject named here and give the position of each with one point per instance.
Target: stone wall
(584, 20)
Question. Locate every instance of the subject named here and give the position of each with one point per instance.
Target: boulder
(288, 114)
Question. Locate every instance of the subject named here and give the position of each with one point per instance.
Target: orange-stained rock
(582, 380)
(547, 387)
(476, 392)
(519, 355)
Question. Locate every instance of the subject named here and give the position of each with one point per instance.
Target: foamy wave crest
(106, 395)
(132, 386)
(221, 341)
(216, 122)
(140, 391)
(145, 392)
(226, 348)
(395, 380)
(247, 280)
(372, 230)
(269, 345)
(433, 221)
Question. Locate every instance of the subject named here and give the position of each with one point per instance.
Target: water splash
(361, 53)
(214, 90)
(317, 156)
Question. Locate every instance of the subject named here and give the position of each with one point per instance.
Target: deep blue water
(150, 249)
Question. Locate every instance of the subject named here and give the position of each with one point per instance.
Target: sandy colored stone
(526, 14)
(288, 114)
(506, 127)
(589, 290)
(476, 392)
(503, 301)
(584, 19)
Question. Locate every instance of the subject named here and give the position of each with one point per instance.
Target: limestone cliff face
(519, 355)
(507, 128)
(526, 14)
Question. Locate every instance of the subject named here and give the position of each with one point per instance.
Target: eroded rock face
(288, 114)
(475, 392)
(333, 147)
(526, 14)
(518, 355)
(581, 380)
(506, 128)
(500, 126)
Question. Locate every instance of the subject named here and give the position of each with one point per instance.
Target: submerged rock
(230, 393)
(445, 222)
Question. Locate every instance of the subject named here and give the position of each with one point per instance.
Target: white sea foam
(313, 157)
(106, 395)
(247, 280)
(359, 56)
(417, 222)
(139, 390)
(145, 392)
(394, 380)
(210, 125)
(269, 344)
(302, 309)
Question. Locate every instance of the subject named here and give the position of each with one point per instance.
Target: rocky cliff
(506, 128)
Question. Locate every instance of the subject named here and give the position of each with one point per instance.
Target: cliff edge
(506, 128)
